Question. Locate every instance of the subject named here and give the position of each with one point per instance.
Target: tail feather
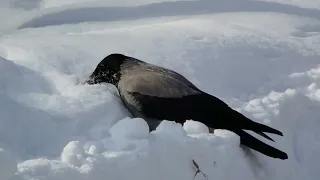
(248, 124)
(264, 135)
(253, 143)
(263, 128)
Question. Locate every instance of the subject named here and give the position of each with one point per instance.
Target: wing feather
(153, 80)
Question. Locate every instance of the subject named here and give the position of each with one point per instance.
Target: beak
(90, 81)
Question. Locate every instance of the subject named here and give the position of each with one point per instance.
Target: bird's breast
(129, 100)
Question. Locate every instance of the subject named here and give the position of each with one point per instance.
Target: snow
(8, 164)
(304, 4)
(261, 57)
(130, 128)
(195, 127)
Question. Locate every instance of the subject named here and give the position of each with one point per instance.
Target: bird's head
(108, 70)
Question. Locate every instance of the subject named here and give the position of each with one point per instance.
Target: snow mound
(195, 127)
(156, 156)
(130, 128)
(72, 153)
(171, 128)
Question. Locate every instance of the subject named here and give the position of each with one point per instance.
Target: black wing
(198, 107)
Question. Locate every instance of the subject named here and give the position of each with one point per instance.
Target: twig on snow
(198, 170)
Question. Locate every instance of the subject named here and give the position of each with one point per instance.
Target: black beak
(90, 81)
(94, 80)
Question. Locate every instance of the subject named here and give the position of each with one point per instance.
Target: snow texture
(259, 56)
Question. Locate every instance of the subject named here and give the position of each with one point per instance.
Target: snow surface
(261, 57)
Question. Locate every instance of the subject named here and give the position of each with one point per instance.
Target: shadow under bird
(156, 93)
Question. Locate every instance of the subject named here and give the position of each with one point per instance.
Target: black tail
(254, 126)
(202, 107)
(264, 135)
(253, 143)
(246, 123)
(243, 122)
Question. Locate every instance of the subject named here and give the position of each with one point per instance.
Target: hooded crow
(156, 93)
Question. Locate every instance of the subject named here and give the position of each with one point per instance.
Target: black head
(108, 70)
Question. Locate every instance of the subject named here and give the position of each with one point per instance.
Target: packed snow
(262, 57)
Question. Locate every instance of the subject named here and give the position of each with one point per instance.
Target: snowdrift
(264, 62)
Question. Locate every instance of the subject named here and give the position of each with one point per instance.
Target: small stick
(198, 170)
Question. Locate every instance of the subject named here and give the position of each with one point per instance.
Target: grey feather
(153, 80)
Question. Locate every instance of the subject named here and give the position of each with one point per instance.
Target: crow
(156, 93)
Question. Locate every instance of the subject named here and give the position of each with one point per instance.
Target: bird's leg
(153, 123)
(252, 158)
(211, 130)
